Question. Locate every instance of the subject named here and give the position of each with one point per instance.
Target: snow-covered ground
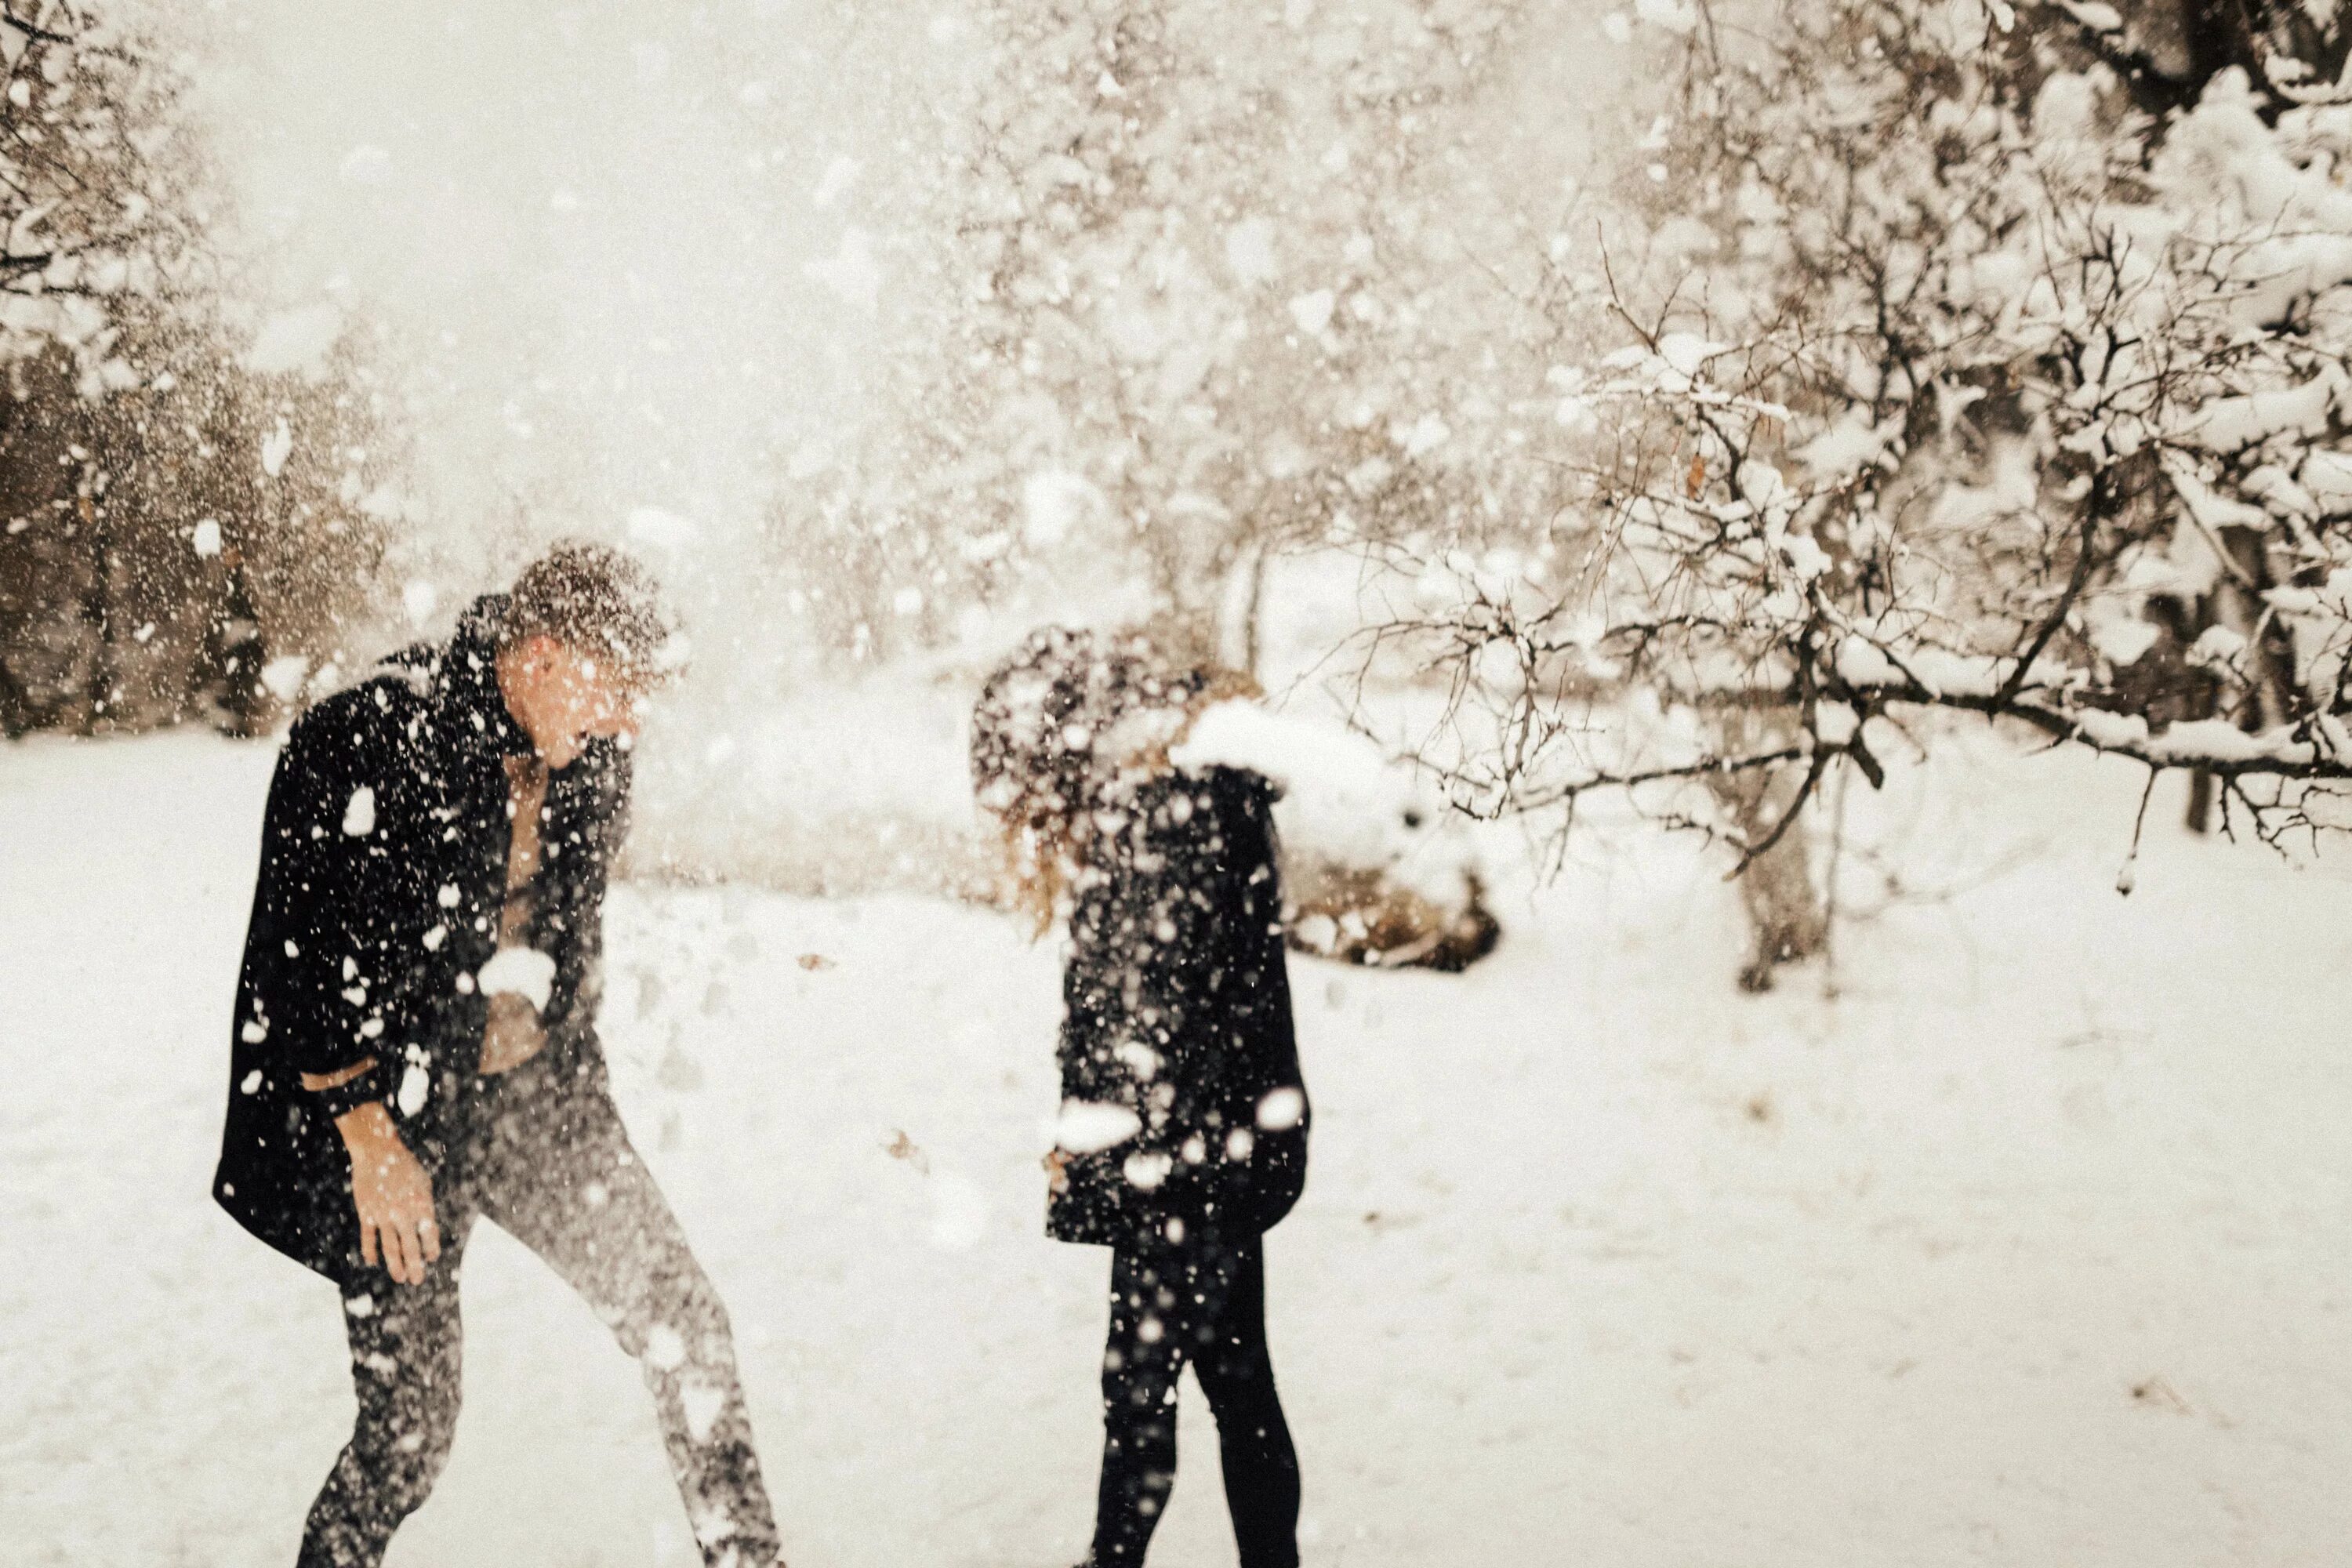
(2033, 1247)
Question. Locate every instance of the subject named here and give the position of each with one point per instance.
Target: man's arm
(389, 1188)
(329, 886)
(332, 808)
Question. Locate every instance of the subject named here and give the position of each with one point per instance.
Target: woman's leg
(1143, 1359)
(1260, 1466)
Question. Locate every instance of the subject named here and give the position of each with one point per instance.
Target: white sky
(584, 227)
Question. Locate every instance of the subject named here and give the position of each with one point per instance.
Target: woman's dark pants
(1203, 1300)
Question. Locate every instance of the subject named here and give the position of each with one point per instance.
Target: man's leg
(567, 1185)
(1260, 1466)
(406, 1350)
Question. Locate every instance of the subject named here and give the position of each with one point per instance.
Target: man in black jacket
(415, 1039)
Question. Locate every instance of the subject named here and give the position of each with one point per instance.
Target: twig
(2127, 877)
(1830, 887)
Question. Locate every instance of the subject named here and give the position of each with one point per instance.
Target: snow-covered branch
(2043, 414)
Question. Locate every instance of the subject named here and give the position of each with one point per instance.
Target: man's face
(564, 698)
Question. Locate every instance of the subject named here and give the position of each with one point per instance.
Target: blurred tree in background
(186, 530)
(1204, 286)
(1862, 369)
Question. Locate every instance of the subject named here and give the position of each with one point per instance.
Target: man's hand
(392, 1194)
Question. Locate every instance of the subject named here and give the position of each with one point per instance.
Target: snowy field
(2034, 1246)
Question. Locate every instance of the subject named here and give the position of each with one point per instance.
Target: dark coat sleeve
(1261, 1089)
(589, 820)
(333, 946)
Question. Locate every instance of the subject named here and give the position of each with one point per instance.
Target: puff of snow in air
(1425, 436)
(276, 447)
(1086, 1127)
(1249, 251)
(518, 972)
(295, 341)
(206, 539)
(416, 602)
(359, 813)
(1051, 501)
(1344, 799)
(1245, 734)
(1674, 15)
(651, 525)
(283, 675)
(1281, 1109)
(851, 273)
(415, 1088)
(1145, 1169)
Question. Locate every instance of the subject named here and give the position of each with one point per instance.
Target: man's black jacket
(383, 864)
(1180, 1088)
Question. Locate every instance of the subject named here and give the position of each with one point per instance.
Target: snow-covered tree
(85, 136)
(186, 527)
(1952, 377)
(1211, 283)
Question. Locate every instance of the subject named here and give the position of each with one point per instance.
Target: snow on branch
(2039, 410)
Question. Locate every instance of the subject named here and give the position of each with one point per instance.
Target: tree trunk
(1241, 605)
(1788, 919)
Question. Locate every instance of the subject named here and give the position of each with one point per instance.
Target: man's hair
(596, 601)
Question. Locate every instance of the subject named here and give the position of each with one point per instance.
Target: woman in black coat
(1183, 1125)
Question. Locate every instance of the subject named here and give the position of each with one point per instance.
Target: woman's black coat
(383, 863)
(1177, 1024)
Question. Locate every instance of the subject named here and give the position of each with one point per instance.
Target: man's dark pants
(1200, 1300)
(544, 1156)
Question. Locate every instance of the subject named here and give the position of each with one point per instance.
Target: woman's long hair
(1064, 728)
